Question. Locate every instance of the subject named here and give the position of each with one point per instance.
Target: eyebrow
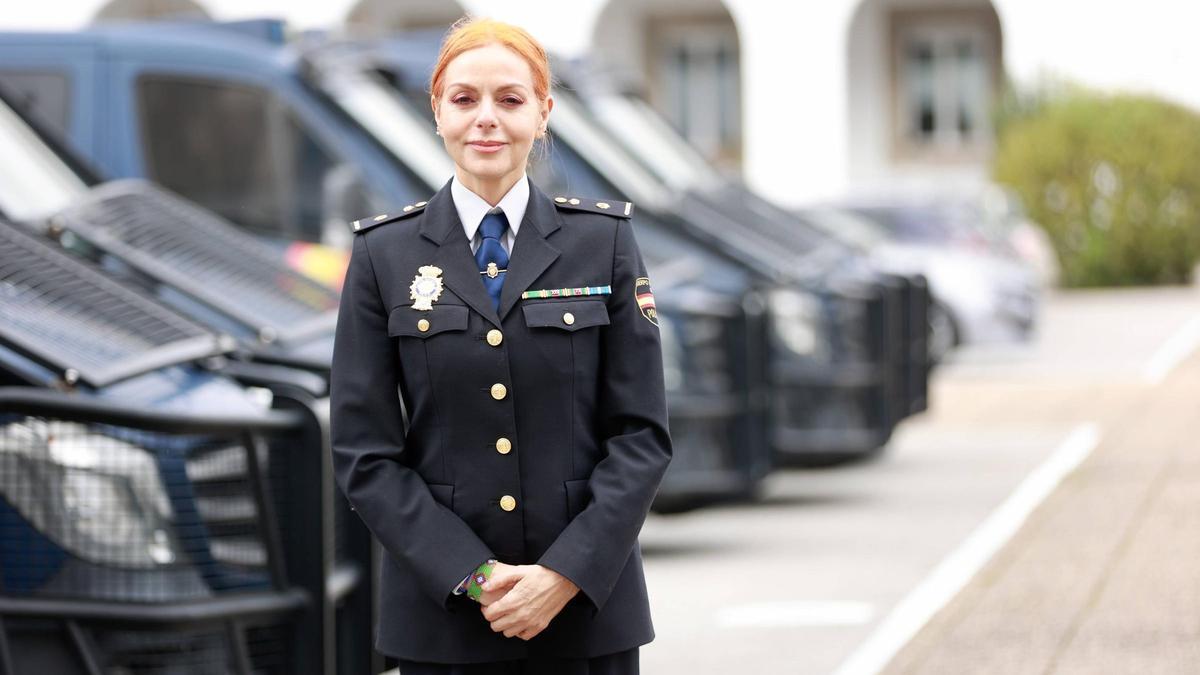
(464, 85)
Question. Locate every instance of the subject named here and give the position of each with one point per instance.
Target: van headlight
(796, 320)
(98, 497)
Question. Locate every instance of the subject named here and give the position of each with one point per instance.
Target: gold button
(419, 204)
(574, 202)
(503, 445)
(495, 337)
(508, 503)
(568, 318)
(561, 200)
(499, 391)
(379, 218)
(423, 325)
(603, 205)
(408, 208)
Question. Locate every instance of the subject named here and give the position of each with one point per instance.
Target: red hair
(470, 33)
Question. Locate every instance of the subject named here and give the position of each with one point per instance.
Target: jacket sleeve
(594, 547)
(367, 439)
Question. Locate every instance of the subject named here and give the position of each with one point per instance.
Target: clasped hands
(521, 600)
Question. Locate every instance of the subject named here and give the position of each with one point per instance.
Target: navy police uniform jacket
(536, 434)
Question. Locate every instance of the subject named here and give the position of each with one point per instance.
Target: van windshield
(34, 181)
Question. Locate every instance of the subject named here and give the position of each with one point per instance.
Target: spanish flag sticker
(645, 299)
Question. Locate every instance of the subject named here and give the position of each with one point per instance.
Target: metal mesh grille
(93, 511)
(72, 316)
(194, 652)
(203, 255)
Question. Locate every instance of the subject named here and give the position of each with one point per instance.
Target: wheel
(943, 332)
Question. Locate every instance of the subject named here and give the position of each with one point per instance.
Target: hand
(534, 596)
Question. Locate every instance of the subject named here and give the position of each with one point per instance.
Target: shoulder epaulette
(609, 208)
(382, 219)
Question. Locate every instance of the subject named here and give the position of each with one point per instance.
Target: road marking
(789, 614)
(1177, 348)
(955, 570)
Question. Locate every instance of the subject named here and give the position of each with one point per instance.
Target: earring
(438, 131)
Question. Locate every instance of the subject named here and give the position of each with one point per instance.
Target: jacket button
(499, 391)
(508, 503)
(495, 337)
(568, 318)
(503, 445)
(423, 325)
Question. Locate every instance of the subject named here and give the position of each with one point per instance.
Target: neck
(490, 189)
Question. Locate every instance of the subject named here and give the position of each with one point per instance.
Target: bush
(1115, 180)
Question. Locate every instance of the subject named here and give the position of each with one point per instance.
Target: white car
(983, 292)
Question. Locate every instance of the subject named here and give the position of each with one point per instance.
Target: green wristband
(481, 575)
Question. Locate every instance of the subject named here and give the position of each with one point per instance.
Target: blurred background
(925, 272)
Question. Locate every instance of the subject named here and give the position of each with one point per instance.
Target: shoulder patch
(609, 208)
(365, 224)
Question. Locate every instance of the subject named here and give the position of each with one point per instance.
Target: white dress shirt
(472, 208)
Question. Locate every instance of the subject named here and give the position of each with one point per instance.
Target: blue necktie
(491, 256)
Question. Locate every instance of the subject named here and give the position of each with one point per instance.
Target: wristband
(481, 575)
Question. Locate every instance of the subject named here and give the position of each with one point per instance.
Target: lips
(486, 146)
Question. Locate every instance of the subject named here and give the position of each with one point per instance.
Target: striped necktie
(491, 256)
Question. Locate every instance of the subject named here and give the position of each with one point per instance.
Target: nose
(486, 114)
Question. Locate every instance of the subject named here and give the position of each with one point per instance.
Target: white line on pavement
(1181, 343)
(795, 613)
(954, 571)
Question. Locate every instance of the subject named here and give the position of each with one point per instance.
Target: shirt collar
(472, 208)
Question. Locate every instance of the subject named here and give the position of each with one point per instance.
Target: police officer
(521, 333)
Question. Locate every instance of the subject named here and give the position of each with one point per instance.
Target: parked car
(981, 295)
(832, 381)
(90, 316)
(298, 166)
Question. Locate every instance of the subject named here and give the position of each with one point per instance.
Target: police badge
(645, 299)
(426, 287)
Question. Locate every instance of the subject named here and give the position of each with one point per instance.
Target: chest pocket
(407, 321)
(570, 315)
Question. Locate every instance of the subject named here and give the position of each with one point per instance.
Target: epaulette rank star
(367, 223)
(609, 208)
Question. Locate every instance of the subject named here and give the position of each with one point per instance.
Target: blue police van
(236, 124)
(844, 348)
(116, 400)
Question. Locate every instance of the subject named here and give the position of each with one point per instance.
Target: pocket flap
(405, 320)
(554, 314)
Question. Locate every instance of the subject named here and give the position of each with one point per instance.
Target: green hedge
(1115, 180)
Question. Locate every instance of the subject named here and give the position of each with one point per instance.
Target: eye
(511, 101)
(461, 99)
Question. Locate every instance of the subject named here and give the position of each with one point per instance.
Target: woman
(520, 331)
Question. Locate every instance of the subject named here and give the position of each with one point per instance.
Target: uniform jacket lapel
(532, 253)
(440, 225)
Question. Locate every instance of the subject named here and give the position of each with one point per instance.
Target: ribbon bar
(567, 292)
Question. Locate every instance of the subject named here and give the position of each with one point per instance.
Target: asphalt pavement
(1040, 518)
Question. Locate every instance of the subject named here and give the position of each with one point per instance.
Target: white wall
(798, 74)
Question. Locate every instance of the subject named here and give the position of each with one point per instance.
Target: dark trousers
(621, 663)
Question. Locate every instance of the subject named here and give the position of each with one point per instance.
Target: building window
(945, 83)
(699, 84)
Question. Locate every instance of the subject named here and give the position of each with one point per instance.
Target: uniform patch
(566, 292)
(426, 287)
(645, 299)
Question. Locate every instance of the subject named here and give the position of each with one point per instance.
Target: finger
(503, 576)
(509, 625)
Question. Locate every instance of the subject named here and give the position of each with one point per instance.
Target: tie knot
(493, 224)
